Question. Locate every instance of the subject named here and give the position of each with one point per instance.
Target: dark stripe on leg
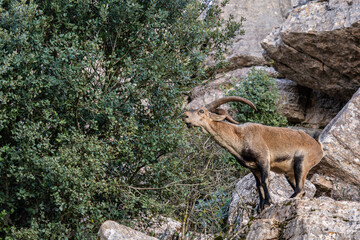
(298, 163)
(264, 184)
(261, 197)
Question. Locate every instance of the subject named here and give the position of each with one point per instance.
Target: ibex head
(204, 115)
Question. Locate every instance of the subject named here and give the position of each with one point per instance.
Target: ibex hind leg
(302, 166)
(291, 181)
(299, 174)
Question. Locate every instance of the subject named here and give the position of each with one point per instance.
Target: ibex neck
(227, 135)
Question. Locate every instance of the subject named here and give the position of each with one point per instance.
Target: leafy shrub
(261, 89)
(90, 95)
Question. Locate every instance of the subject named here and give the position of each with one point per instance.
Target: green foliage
(209, 175)
(90, 95)
(261, 89)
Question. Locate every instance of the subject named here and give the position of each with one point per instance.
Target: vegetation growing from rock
(260, 88)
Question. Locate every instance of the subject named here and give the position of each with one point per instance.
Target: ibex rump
(260, 148)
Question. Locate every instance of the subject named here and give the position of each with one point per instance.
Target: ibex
(260, 148)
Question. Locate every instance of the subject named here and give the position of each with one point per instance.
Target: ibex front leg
(262, 182)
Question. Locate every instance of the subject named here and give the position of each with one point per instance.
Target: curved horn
(213, 105)
(224, 112)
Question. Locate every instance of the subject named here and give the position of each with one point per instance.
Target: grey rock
(341, 144)
(261, 17)
(245, 197)
(318, 47)
(162, 227)
(297, 3)
(335, 188)
(293, 100)
(111, 230)
(315, 219)
(321, 109)
(306, 106)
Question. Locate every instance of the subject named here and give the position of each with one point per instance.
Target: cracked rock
(318, 47)
(245, 197)
(340, 141)
(322, 218)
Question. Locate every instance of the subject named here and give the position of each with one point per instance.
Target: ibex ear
(216, 117)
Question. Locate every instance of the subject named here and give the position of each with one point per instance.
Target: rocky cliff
(318, 47)
(260, 18)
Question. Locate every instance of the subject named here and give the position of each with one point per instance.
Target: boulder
(318, 47)
(316, 219)
(245, 197)
(335, 188)
(111, 230)
(162, 227)
(341, 141)
(261, 17)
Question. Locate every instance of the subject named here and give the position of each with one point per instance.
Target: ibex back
(260, 148)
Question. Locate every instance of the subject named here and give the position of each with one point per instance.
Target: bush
(261, 89)
(90, 94)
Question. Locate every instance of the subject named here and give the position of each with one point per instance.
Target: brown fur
(262, 148)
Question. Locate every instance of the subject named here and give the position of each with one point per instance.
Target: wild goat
(260, 148)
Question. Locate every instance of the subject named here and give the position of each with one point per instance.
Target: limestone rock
(245, 197)
(261, 17)
(111, 230)
(341, 141)
(321, 109)
(306, 106)
(318, 47)
(335, 188)
(162, 227)
(316, 219)
(293, 100)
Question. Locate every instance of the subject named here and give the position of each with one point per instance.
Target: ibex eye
(201, 111)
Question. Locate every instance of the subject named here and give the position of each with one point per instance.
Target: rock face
(261, 17)
(341, 144)
(317, 219)
(318, 47)
(303, 105)
(111, 230)
(335, 188)
(245, 197)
